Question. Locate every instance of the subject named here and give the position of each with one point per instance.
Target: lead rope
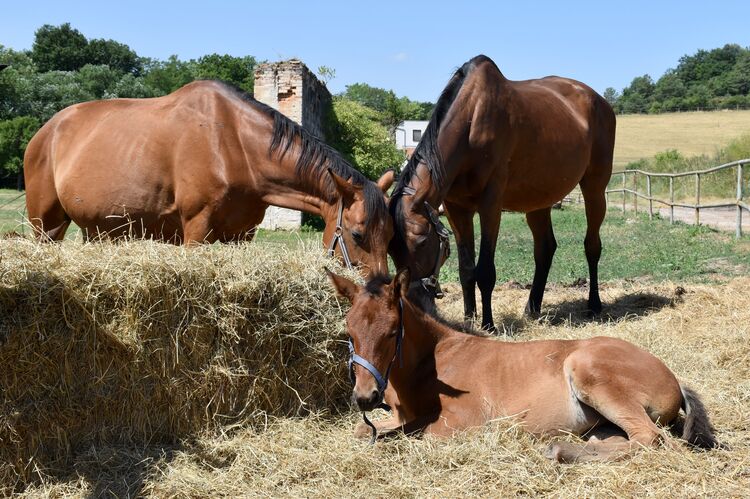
(338, 236)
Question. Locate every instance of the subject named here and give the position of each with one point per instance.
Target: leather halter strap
(382, 380)
(432, 283)
(338, 237)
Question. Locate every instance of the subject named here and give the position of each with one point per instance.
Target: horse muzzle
(367, 400)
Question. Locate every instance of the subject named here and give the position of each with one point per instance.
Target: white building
(408, 135)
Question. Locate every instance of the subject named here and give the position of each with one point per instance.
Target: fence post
(738, 230)
(635, 193)
(697, 199)
(623, 193)
(650, 202)
(671, 200)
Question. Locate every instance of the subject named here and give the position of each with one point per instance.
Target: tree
(15, 135)
(356, 132)
(116, 55)
(239, 71)
(636, 97)
(393, 110)
(611, 95)
(167, 76)
(326, 74)
(59, 48)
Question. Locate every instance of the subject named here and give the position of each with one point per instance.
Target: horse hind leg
(596, 207)
(614, 402)
(47, 217)
(540, 223)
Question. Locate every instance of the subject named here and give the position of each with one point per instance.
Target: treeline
(707, 80)
(63, 67)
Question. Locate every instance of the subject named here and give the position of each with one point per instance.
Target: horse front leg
(462, 223)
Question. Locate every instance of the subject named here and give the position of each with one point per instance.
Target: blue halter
(381, 380)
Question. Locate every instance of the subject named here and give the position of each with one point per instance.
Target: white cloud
(400, 57)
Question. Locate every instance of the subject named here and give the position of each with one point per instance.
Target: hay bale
(144, 343)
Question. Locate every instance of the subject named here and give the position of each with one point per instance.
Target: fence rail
(739, 202)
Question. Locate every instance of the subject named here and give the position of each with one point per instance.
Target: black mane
(315, 158)
(427, 151)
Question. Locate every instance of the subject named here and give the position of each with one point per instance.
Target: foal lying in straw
(443, 381)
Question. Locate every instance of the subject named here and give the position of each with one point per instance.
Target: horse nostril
(374, 397)
(367, 402)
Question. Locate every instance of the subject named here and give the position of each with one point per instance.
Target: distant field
(694, 133)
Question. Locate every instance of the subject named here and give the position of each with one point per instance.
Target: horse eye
(421, 240)
(357, 236)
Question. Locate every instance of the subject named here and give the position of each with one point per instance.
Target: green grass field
(692, 133)
(633, 247)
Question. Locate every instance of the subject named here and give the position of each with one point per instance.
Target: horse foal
(606, 389)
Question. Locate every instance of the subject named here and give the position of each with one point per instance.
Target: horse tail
(697, 429)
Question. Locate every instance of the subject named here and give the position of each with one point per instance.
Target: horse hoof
(362, 431)
(552, 452)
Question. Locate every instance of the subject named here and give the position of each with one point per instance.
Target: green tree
(356, 132)
(611, 95)
(636, 98)
(59, 48)
(239, 71)
(167, 76)
(15, 135)
(116, 55)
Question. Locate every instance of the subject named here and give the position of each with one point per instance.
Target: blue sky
(409, 46)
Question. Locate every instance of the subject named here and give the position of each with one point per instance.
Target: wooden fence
(738, 202)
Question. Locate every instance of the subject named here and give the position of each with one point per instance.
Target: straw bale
(145, 343)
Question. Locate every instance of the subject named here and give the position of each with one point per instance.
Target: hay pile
(702, 332)
(144, 344)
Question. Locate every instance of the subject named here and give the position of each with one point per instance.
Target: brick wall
(291, 88)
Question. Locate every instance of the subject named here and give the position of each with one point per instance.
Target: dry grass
(703, 335)
(143, 343)
(692, 133)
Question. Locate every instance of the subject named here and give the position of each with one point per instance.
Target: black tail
(697, 429)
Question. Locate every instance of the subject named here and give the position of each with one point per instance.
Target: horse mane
(427, 150)
(315, 157)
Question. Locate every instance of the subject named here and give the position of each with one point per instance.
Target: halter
(381, 380)
(431, 284)
(338, 237)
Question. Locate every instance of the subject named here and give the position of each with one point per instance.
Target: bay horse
(199, 165)
(440, 381)
(493, 144)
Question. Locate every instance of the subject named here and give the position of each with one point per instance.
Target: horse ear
(401, 283)
(345, 187)
(344, 287)
(386, 181)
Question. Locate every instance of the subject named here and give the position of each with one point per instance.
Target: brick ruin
(291, 88)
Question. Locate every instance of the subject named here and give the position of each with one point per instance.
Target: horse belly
(114, 197)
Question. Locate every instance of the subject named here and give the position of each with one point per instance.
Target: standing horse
(443, 381)
(199, 165)
(493, 144)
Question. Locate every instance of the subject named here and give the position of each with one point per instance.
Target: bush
(356, 132)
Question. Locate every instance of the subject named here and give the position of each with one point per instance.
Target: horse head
(359, 228)
(375, 328)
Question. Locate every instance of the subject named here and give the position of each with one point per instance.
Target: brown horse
(199, 165)
(443, 381)
(493, 144)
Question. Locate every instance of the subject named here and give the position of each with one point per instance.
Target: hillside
(691, 133)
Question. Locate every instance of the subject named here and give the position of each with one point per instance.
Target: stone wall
(291, 88)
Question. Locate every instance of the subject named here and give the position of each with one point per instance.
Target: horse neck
(422, 334)
(285, 187)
